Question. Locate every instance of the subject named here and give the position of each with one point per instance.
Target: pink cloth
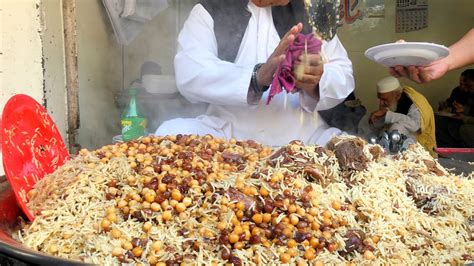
(284, 78)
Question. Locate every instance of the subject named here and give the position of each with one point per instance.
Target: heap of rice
(182, 199)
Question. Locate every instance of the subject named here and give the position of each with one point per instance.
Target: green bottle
(133, 123)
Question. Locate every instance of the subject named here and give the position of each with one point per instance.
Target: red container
(9, 218)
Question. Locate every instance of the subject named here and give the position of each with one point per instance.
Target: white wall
(447, 22)
(99, 60)
(21, 70)
(53, 62)
(158, 41)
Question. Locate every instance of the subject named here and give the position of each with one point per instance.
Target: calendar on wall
(411, 15)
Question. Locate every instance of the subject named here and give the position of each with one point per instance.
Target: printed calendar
(411, 15)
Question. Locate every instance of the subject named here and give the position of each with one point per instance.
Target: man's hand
(308, 71)
(458, 108)
(377, 115)
(265, 3)
(420, 74)
(265, 74)
(443, 106)
(458, 116)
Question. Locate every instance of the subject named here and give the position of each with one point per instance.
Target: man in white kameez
(226, 45)
(404, 109)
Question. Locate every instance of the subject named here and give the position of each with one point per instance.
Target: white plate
(407, 53)
(447, 114)
(160, 84)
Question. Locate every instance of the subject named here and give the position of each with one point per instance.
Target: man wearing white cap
(404, 109)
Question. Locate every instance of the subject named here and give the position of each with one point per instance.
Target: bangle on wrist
(254, 83)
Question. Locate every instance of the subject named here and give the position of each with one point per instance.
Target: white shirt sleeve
(410, 122)
(200, 75)
(337, 81)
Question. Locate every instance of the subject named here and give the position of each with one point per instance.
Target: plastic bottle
(134, 124)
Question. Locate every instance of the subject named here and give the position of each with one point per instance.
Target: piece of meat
(426, 201)
(314, 174)
(354, 240)
(376, 151)
(349, 153)
(232, 157)
(277, 154)
(431, 165)
(236, 195)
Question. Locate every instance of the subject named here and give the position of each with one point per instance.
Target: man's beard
(393, 107)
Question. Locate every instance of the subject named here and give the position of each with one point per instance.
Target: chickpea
(294, 219)
(187, 201)
(167, 215)
(318, 263)
(162, 187)
(180, 207)
(155, 207)
(173, 203)
(137, 251)
(176, 195)
(288, 232)
(327, 235)
(238, 230)
(336, 205)
(233, 238)
(53, 248)
(117, 251)
(131, 179)
(313, 211)
(127, 245)
(310, 254)
(156, 246)
(240, 206)
(67, 235)
(147, 226)
(327, 214)
(369, 255)
(267, 217)
(239, 245)
(375, 239)
(314, 242)
(293, 252)
(300, 211)
(292, 208)
(112, 217)
(222, 225)
(257, 218)
(149, 197)
(116, 233)
(152, 260)
(105, 224)
(285, 258)
(264, 192)
(122, 203)
(292, 243)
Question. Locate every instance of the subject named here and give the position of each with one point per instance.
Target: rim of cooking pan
(11, 248)
(17, 251)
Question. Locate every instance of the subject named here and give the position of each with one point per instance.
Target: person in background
(458, 130)
(460, 54)
(459, 95)
(225, 46)
(404, 109)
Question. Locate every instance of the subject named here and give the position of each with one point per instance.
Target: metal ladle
(323, 17)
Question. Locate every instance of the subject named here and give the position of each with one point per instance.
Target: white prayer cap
(388, 84)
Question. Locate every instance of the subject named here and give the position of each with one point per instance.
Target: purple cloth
(284, 78)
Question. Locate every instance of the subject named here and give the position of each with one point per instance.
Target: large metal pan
(9, 213)
(9, 247)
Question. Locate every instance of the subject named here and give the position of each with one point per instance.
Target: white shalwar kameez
(202, 77)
